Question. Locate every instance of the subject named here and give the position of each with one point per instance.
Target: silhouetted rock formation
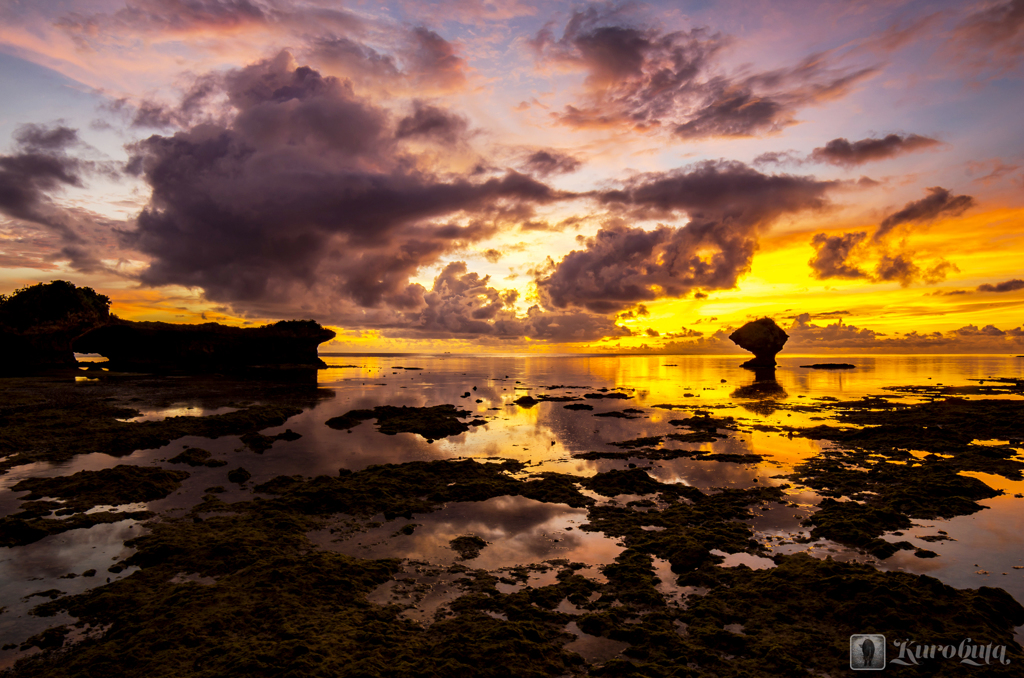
(763, 338)
(210, 346)
(39, 324)
(44, 325)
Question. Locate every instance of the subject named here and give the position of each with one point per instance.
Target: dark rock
(39, 324)
(763, 338)
(260, 443)
(44, 325)
(194, 456)
(525, 401)
(239, 475)
(433, 423)
(829, 366)
(210, 346)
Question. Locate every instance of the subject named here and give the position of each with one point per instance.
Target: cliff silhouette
(44, 325)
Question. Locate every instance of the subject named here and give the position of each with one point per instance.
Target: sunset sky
(520, 176)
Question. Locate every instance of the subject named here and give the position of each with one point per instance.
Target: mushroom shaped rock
(763, 338)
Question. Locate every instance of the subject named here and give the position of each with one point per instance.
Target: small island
(829, 366)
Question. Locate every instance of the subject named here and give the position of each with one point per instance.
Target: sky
(474, 176)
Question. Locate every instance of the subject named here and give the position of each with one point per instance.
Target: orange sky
(551, 177)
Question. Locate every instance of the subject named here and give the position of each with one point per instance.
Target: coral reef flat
(374, 521)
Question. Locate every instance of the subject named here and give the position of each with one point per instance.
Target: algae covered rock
(763, 338)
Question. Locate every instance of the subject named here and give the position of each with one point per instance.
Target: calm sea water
(987, 544)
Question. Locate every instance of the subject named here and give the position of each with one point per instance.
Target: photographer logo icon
(867, 652)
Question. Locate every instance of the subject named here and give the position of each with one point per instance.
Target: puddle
(595, 649)
(518, 531)
(181, 411)
(750, 560)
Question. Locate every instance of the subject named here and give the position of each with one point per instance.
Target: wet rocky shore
(484, 556)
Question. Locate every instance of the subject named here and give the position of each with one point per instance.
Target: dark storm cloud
(899, 268)
(728, 204)
(1005, 286)
(42, 139)
(418, 60)
(355, 59)
(643, 78)
(939, 202)
(843, 152)
(303, 193)
(832, 255)
(463, 304)
(546, 163)
(431, 122)
(39, 167)
(150, 114)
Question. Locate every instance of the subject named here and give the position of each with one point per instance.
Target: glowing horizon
(567, 177)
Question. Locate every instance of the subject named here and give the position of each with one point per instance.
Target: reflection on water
(518, 531)
(595, 649)
(159, 414)
(58, 565)
(547, 437)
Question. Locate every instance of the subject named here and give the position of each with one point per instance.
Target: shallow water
(984, 548)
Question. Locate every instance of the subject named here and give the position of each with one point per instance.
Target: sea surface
(984, 550)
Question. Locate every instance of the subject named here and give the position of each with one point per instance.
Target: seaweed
(122, 484)
(888, 485)
(798, 616)
(632, 481)
(528, 401)
(467, 546)
(439, 421)
(193, 456)
(416, 487)
(80, 492)
(19, 530)
(691, 528)
(259, 618)
(703, 421)
(63, 425)
(260, 443)
(648, 441)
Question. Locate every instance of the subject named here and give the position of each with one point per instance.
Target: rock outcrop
(210, 346)
(39, 324)
(43, 326)
(763, 338)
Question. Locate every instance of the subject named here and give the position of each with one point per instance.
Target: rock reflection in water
(765, 389)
